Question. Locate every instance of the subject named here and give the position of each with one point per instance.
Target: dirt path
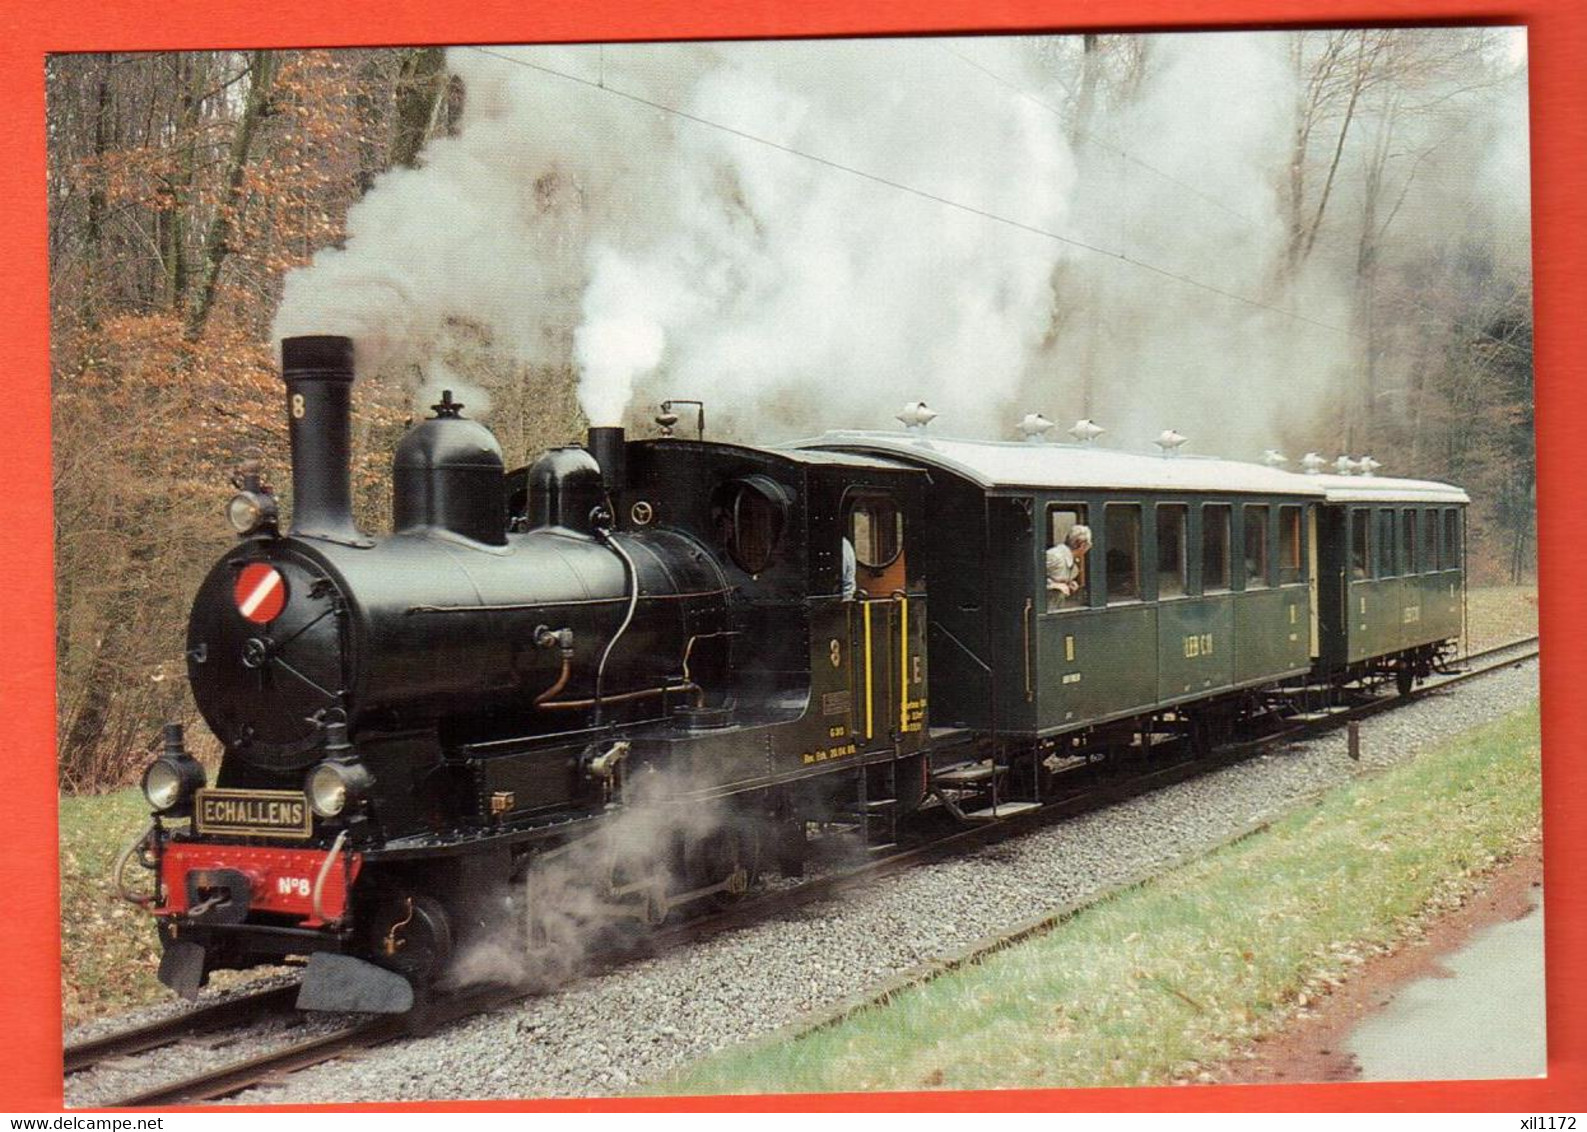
(1312, 1047)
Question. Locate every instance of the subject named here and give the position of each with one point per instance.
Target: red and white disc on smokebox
(261, 593)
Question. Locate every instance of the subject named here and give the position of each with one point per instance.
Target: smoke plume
(563, 913)
(815, 232)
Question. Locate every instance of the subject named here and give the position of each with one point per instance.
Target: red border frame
(30, 1073)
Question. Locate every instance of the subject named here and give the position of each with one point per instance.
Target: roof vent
(916, 415)
(1170, 442)
(1368, 465)
(1273, 458)
(1035, 427)
(1345, 465)
(1313, 463)
(1086, 430)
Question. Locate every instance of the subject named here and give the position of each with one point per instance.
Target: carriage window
(1215, 547)
(1061, 519)
(1289, 546)
(1452, 537)
(1385, 543)
(1360, 543)
(876, 527)
(1255, 547)
(748, 516)
(1408, 548)
(1430, 548)
(1123, 551)
(1171, 568)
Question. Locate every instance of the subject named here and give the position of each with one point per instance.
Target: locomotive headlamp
(253, 508)
(172, 780)
(251, 511)
(335, 785)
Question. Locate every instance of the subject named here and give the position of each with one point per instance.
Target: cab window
(876, 527)
(749, 516)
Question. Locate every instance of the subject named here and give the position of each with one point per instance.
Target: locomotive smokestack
(607, 445)
(318, 371)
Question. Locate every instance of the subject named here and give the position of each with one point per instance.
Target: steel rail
(202, 1020)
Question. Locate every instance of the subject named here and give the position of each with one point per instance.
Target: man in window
(849, 583)
(1064, 565)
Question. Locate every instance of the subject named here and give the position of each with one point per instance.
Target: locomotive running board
(342, 983)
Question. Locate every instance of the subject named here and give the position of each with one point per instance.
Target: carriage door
(889, 629)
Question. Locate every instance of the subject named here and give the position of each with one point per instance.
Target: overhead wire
(912, 190)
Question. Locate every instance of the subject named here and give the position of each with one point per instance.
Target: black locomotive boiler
(413, 724)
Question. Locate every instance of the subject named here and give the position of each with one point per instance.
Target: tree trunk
(193, 75)
(1362, 69)
(94, 226)
(261, 69)
(420, 81)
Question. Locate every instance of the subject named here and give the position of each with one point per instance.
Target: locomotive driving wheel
(722, 864)
(412, 935)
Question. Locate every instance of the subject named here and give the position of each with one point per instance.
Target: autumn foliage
(169, 239)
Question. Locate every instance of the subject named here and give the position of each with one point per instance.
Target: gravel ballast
(613, 1033)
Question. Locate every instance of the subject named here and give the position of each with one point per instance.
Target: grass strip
(1165, 979)
(109, 952)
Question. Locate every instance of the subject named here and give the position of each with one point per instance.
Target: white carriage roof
(992, 464)
(1387, 489)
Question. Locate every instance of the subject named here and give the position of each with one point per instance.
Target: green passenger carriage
(1392, 594)
(1199, 586)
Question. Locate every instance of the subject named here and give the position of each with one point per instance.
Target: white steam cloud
(564, 914)
(567, 222)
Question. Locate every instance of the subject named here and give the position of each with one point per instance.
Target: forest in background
(185, 186)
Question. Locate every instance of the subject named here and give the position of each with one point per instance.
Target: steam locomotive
(414, 724)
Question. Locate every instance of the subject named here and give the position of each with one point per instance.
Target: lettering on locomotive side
(1412, 614)
(826, 754)
(284, 813)
(1198, 644)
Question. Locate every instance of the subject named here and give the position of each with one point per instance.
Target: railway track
(359, 1035)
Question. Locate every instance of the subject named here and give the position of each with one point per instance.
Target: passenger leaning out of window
(1064, 565)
